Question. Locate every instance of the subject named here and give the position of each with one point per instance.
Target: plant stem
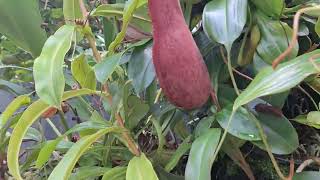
(54, 128)
(92, 42)
(294, 38)
(234, 83)
(223, 137)
(63, 121)
(269, 151)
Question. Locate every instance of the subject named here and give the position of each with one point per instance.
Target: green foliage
(21, 23)
(117, 124)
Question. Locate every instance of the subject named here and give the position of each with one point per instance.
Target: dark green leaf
(140, 68)
(275, 37)
(104, 69)
(242, 125)
(200, 158)
(135, 112)
(21, 22)
(270, 7)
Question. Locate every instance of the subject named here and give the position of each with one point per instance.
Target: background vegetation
(88, 105)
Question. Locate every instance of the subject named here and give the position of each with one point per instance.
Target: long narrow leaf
(29, 116)
(48, 67)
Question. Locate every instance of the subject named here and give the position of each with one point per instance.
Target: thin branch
(294, 39)
(92, 42)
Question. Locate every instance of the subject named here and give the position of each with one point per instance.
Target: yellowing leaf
(140, 168)
(48, 67)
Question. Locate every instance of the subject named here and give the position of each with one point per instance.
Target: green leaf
(182, 149)
(67, 163)
(71, 11)
(48, 67)
(50, 146)
(242, 125)
(83, 72)
(275, 37)
(163, 175)
(200, 158)
(104, 69)
(223, 20)
(140, 168)
(285, 77)
(21, 22)
(140, 18)
(88, 172)
(281, 135)
(312, 119)
(140, 68)
(307, 175)
(13, 107)
(12, 87)
(116, 173)
(317, 27)
(135, 112)
(33, 134)
(271, 7)
(46, 151)
(29, 116)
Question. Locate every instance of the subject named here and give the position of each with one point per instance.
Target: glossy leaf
(201, 153)
(83, 73)
(48, 67)
(67, 163)
(29, 116)
(116, 173)
(307, 175)
(271, 7)
(285, 77)
(104, 69)
(223, 20)
(13, 107)
(275, 39)
(242, 125)
(21, 22)
(140, 68)
(140, 168)
(281, 135)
